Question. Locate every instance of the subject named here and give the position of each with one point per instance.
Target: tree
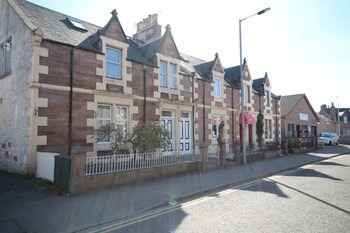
(260, 128)
(149, 137)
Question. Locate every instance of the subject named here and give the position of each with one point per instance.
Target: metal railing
(126, 162)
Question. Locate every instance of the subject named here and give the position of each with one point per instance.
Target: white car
(328, 138)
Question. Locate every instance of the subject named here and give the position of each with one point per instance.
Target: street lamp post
(241, 79)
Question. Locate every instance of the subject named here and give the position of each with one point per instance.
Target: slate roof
(135, 54)
(259, 85)
(232, 76)
(149, 49)
(55, 26)
(289, 101)
(205, 70)
(187, 63)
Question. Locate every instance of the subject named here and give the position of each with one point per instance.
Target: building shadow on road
(312, 173)
(267, 187)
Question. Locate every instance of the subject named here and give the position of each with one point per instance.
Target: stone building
(61, 77)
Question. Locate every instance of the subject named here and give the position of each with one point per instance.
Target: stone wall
(79, 182)
(344, 140)
(14, 100)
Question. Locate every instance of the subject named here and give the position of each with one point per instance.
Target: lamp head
(263, 11)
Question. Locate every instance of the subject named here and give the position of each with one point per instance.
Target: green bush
(147, 137)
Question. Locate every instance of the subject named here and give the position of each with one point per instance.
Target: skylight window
(77, 24)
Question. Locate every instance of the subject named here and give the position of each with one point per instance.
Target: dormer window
(113, 63)
(172, 76)
(217, 87)
(267, 99)
(247, 96)
(167, 75)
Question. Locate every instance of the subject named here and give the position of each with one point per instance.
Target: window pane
(215, 130)
(5, 57)
(113, 63)
(185, 115)
(113, 55)
(103, 118)
(121, 121)
(167, 113)
(104, 111)
(162, 74)
(121, 113)
(172, 76)
(217, 87)
(113, 70)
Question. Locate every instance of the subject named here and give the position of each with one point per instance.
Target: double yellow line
(169, 209)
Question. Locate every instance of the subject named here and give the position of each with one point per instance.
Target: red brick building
(68, 76)
(298, 117)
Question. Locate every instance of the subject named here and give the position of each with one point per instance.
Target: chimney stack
(148, 29)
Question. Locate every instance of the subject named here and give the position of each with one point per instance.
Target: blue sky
(304, 45)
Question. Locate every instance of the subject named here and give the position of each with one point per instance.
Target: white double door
(184, 129)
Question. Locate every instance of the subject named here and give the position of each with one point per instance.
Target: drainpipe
(193, 74)
(144, 93)
(203, 111)
(71, 73)
(233, 118)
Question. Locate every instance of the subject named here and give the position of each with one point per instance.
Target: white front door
(185, 133)
(168, 123)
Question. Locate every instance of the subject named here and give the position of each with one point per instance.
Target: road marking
(169, 209)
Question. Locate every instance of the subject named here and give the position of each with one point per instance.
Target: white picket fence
(126, 162)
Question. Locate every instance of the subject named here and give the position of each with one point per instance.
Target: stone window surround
(108, 99)
(223, 88)
(125, 77)
(168, 90)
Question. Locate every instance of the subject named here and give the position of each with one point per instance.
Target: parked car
(328, 138)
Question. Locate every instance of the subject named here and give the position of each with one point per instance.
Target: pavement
(29, 205)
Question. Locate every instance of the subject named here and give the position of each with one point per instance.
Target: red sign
(248, 119)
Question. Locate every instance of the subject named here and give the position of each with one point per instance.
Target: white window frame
(102, 119)
(267, 99)
(167, 75)
(217, 87)
(114, 63)
(162, 74)
(113, 118)
(172, 76)
(247, 95)
(121, 121)
(216, 120)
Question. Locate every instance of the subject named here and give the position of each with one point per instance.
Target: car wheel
(337, 143)
(330, 143)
